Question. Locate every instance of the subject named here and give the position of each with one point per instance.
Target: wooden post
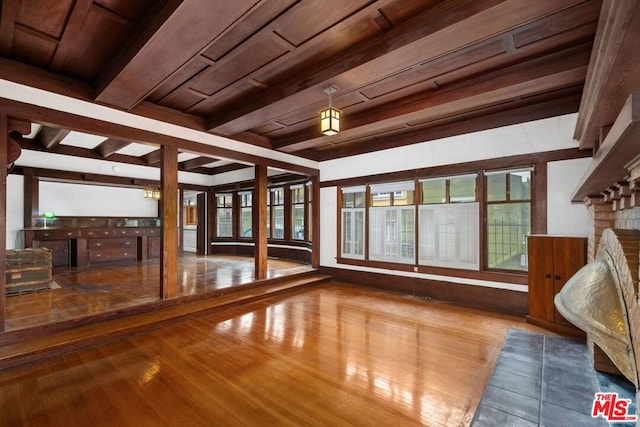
(169, 217)
(260, 222)
(4, 134)
(31, 197)
(315, 222)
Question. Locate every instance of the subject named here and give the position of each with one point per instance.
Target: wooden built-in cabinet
(552, 262)
(82, 246)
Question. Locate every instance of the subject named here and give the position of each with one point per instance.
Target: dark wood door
(570, 255)
(541, 292)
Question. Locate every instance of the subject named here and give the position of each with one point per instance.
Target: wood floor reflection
(92, 290)
(331, 355)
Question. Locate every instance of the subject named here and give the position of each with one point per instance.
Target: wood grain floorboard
(92, 290)
(335, 354)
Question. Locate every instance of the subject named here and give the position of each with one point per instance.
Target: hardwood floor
(330, 355)
(91, 290)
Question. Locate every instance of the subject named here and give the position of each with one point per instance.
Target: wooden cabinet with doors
(552, 262)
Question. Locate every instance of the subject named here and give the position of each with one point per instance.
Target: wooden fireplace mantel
(617, 151)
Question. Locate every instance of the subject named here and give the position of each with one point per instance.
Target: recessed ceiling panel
(137, 149)
(83, 140)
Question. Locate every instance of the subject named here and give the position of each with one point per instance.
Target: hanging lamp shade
(330, 117)
(330, 121)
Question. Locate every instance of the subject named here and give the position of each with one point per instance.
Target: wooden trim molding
(492, 276)
(4, 142)
(502, 300)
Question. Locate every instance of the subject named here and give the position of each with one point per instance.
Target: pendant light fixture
(330, 117)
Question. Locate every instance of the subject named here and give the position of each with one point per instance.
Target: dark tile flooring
(543, 380)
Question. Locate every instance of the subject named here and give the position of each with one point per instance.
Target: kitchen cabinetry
(552, 262)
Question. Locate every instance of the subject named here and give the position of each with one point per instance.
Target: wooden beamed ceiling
(406, 70)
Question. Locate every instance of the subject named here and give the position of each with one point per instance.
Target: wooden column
(260, 222)
(4, 134)
(211, 220)
(202, 226)
(31, 196)
(169, 217)
(315, 222)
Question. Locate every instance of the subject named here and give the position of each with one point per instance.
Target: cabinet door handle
(557, 278)
(547, 276)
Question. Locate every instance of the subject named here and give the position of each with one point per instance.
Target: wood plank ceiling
(407, 71)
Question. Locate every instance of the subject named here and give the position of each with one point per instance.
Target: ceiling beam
(50, 137)
(110, 146)
(190, 164)
(163, 47)
(527, 79)
(152, 157)
(447, 27)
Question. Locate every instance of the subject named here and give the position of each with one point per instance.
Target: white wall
(66, 199)
(15, 203)
(555, 133)
(564, 217)
(543, 135)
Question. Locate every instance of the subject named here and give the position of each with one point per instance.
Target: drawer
(93, 234)
(115, 242)
(121, 232)
(152, 231)
(112, 254)
(59, 234)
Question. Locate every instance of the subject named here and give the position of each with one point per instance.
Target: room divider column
(4, 143)
(260, 222)
(169, 218)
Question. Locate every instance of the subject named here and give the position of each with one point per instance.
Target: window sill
(514, 277)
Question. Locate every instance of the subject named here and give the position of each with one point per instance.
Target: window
(190, 213)
(277, 210)
(449, 219)
(353, 211)
(508, 218)
(309, 211)
(268, 214)
(297, 211)
(392, 222)
(246, 214)
(224, 215)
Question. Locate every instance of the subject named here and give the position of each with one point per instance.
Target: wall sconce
(330, 117)
(152, 193)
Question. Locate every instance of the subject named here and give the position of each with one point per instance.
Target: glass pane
(520, 186)
(403, 198)
(433, 191)
(347, 237)
(359, 200)
(245, 222)
(297, 195)
(462, 189)
(348, 200)
(381, 199)
(268, 222)
(507, 227)
(298, 222)
(497, 187)
(278, 222)
(224, 219)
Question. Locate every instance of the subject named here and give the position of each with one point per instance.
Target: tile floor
(542, 380)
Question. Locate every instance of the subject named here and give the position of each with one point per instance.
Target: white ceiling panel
(137, 149)
(187, 156)
(82, 140)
